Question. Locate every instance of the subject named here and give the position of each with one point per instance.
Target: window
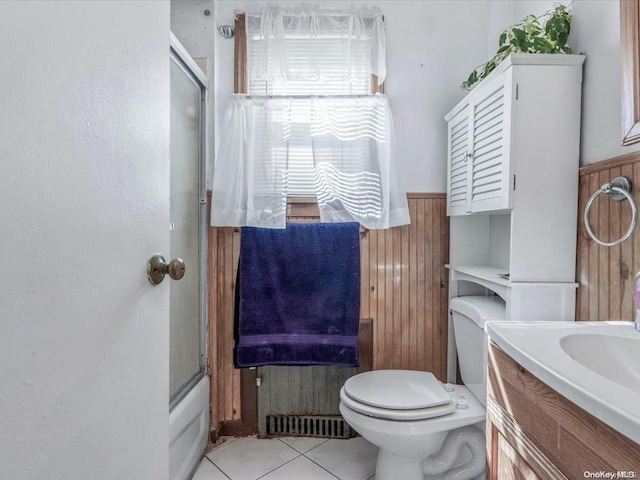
(313, 70)
(305, 122)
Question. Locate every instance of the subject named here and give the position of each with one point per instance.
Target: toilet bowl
(425, 429)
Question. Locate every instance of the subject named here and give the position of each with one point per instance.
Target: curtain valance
(352, 141)
(334, 43)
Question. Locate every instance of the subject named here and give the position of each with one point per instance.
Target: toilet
(424, 429)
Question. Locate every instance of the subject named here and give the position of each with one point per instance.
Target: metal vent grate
(326, 426)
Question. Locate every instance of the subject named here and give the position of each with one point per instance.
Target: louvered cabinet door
(489, 184)
(459, 146)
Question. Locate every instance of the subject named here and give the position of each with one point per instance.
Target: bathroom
(87, 359)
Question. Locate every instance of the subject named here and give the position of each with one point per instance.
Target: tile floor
(289, 458)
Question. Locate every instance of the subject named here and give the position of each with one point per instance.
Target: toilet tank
(469, 316)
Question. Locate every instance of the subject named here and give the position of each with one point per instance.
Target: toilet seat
(398, 415)
(397, 395)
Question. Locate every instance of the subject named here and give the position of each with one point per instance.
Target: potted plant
(529, 36)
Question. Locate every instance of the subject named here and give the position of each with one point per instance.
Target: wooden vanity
(533, 432)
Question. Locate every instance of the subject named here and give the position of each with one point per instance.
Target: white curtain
(310, 126)
(277, 35)
(355, 176)
(250, 179)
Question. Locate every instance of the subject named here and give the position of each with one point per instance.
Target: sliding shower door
(188, 208)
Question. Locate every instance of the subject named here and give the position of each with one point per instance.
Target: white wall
(431, 47)
(84, 187)
(595, 31)
(197, 33)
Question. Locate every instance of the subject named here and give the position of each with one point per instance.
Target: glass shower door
(186, 344)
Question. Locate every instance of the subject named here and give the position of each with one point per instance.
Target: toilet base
(393, 467)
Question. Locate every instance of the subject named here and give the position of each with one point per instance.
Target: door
(489, 186)
(457, 166)
(84, 203)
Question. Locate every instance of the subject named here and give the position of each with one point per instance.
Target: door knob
(158, 268)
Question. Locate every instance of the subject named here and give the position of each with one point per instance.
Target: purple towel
(298, 295)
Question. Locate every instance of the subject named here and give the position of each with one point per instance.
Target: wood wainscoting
(404, 291)
(605, 274)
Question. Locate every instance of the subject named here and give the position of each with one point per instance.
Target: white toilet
(420, 425)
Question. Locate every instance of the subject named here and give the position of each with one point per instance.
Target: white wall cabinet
(479, 148)
(512, 187)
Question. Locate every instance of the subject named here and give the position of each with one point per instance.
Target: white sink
(596, 365)
(614, 357)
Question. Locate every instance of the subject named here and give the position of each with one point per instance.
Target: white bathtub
(188, 431)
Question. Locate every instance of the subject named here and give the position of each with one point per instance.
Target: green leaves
(529, 36)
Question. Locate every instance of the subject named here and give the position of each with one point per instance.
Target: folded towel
(298, 295)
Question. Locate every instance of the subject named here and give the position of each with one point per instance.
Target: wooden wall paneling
(582, 253)
(603, 222)
(636, 236)
(228, 320)
(212, 305)
(627, 300)
(430, 327)
(613, 275)
(412, 351)
(443, 315)
(219, 323)
(404, 292)
(405, 287)
(387, 316)
(396, 292)
(421, 285)
(381, 297)
(235, 378)
(605, 274)
(594, 259)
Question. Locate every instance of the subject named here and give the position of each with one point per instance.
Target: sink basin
(613, 357)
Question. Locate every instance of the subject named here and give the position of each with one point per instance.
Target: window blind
(322, 64)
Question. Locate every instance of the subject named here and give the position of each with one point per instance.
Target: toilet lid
(398, 415)
(397, 389)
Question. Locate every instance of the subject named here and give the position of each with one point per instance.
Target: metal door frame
(183, 60)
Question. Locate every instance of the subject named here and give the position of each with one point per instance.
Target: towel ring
(618, 189)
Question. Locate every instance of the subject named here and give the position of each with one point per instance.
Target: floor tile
(223, 442)
(299, 469)
(303, 444)
(353, 459)
(250, 458)
(207, 471)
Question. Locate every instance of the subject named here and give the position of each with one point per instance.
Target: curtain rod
(368, 16)
(308, 97)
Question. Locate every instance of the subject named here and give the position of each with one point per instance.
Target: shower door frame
(181, 57)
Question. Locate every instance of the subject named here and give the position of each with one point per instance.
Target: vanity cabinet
(533, 432)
